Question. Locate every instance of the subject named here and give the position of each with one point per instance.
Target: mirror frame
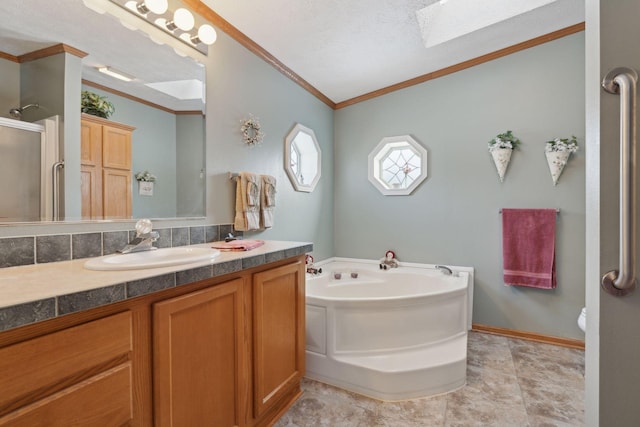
(289, 140)
(378, 153)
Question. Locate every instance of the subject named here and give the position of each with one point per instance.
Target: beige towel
(247, 202)
(268, 200)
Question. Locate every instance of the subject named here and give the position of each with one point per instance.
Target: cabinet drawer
(37, 368)
(102, 400)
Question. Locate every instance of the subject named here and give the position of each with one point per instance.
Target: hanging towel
(238, 245)
(268, 200)
(247, 202)
(528, 247)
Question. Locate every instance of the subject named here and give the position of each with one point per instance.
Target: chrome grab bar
(56, 189)
(623, 281)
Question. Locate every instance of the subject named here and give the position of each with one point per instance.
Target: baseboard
(530, 336)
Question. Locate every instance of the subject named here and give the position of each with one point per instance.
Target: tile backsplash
(15, 251)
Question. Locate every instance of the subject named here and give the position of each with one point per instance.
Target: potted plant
(557, 152)
(501, 147)
(145, 183)
(96, 105)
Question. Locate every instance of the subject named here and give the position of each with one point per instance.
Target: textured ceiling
(343, 48)
(347, 48)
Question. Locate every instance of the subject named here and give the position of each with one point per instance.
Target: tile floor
(510, 382)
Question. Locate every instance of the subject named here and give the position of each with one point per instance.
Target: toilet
(582, 319)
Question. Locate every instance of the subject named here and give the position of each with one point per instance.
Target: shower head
(16, 113)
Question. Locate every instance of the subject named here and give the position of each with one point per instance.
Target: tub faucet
(446, 270)
(144, 238)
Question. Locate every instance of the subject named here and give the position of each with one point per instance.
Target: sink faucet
(144, 238)
(446, 270)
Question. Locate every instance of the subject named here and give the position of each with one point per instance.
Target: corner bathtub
(389, 334)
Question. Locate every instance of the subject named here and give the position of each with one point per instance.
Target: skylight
(180, 89)
(443, 21)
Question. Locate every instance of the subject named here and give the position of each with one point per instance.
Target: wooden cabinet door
(91, 190)
(116, 193)
(77, 376)
(103, 400)
(116, 148)
(278, 334)
(91, 169)
(90, 143)
(200, 358)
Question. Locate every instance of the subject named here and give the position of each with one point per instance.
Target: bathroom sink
(151, 259)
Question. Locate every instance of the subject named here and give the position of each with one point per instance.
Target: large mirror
(302, 158)
(50, 51)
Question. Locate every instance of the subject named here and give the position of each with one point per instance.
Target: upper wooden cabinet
(105, 168)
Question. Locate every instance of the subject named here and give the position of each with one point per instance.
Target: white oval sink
(151, 259)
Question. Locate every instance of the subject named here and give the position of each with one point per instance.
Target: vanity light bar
(116, 74)
(156, 25)
(179, 23)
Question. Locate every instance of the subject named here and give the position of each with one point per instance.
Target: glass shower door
(20, 174)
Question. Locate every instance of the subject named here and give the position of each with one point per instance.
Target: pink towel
(238, 245)
(528, 247)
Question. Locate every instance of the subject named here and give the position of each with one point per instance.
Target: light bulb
(206, 34)
(156, 6)
(183, 19)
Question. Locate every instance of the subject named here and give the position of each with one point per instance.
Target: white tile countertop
(55, 283)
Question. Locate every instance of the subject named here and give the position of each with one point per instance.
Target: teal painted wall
(452, 217)
(190, 165)
(240, 84)
(10, 88)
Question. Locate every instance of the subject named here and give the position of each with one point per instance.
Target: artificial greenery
(145, 176)
(96, 105)
(504, 140)
(562, 144)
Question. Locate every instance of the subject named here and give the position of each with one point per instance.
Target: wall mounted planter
(501, 158)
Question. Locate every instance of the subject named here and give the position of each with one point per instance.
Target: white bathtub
(389, 334)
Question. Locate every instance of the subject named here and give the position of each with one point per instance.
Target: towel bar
(233, 175)
(557, 211)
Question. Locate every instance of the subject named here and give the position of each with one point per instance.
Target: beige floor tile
(552, 401)
(510, 382)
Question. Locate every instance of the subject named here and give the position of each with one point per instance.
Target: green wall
(240, 84)
(190, 165)
(10, 88)
(453, 217)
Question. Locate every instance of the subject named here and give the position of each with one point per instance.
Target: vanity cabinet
(105, 168)
(221, 352)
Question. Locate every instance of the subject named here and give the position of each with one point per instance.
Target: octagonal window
(302, 159)
(397, 165)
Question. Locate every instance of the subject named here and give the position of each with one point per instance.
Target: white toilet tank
(582, 319)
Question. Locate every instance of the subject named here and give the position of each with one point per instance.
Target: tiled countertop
(38, 292)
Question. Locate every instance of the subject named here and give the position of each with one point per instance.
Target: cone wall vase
(501, 158)
(556, 161)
